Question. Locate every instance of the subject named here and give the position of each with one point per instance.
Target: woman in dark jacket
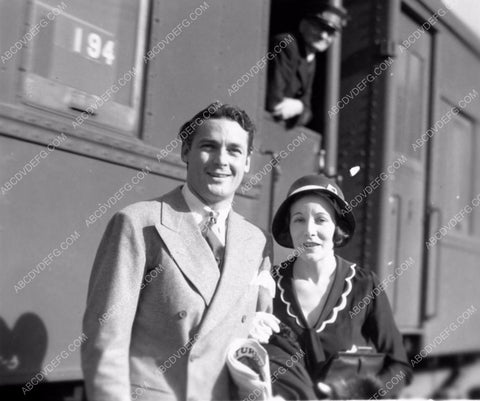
(336, 310)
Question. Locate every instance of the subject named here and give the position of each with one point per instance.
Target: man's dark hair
(217, 110)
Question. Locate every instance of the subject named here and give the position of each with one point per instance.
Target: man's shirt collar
(201, 211)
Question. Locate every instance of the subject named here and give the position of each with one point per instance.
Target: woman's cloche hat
(307, 185)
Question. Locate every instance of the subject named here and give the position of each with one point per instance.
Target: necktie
(212, 239)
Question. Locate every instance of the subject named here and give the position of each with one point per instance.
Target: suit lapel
(238, 271)
(187, 246)
(303, 65)
(303, 72)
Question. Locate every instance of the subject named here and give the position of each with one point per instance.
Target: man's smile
(219, 175)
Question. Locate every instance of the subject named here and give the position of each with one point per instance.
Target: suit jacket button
(182, 314)
(244, 318)
(192, 358)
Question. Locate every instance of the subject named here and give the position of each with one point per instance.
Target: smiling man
(177, 278)
(217, 158)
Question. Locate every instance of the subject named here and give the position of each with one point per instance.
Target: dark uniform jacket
(290, 75)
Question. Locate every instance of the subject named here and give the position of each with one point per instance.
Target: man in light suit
(161, 309)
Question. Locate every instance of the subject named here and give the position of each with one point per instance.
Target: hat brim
(326, 24)
(281, 224)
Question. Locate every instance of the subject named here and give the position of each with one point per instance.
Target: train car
(413, 132)
(92, 95)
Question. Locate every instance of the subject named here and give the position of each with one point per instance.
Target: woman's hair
(340, 236)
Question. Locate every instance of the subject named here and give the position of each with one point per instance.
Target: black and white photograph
(255, 200)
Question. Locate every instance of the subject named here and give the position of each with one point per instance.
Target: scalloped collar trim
(282, 297)
(339, 307)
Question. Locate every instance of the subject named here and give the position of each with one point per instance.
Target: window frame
(38, 92)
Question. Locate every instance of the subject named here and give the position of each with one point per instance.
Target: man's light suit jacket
(159, 314)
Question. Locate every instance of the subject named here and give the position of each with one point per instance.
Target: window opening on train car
(308, 31)
(86, 60)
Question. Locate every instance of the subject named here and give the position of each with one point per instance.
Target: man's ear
(247, 164)
(184, 153)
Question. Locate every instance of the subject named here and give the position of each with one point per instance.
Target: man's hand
(263, 326)
(288, 108)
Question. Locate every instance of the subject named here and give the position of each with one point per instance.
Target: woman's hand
(263, 326)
